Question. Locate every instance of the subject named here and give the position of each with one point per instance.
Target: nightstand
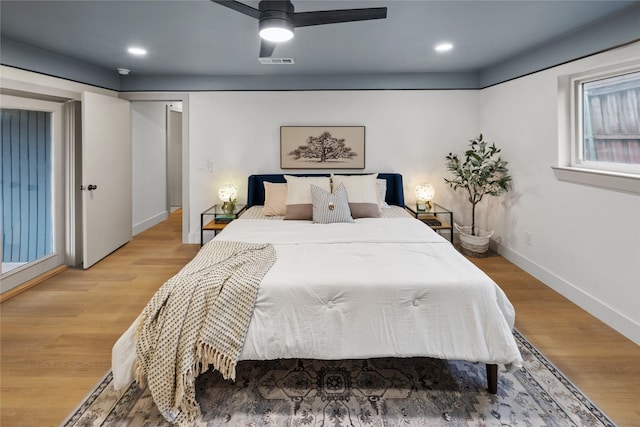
(438, 218)
(219, 219)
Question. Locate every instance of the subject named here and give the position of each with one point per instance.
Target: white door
(106, 176)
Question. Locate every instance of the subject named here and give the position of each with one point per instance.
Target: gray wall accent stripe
(620, 29)
(31, 58)
(132, 83)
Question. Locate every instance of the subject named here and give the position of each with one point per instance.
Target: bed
(387, 286)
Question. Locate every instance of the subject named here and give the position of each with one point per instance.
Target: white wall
(149, 164)
(596, 265)
(236, 134)
(585, 241)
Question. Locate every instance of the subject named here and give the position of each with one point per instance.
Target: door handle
(90, 187)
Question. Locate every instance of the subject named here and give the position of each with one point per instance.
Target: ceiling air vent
(276, 61)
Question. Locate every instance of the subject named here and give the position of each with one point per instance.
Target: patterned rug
(377, 392)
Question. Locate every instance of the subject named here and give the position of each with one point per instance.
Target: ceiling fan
(277, 19)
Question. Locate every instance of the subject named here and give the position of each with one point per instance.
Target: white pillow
(329, 208)
(381, 185)
(299, 204)
(275, 199)
(362, 193)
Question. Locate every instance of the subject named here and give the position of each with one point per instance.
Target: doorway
(157, 161)
(174, 156)
(169, 98)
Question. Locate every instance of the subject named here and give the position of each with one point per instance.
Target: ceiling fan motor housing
(276, 6)
(276, 14)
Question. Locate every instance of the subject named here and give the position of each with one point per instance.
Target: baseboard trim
(194, 238)
(150, 222)
(604, 313)
(31, 283)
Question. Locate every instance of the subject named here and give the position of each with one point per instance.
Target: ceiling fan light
(276, 34)
(444, 47)
(276, 29)
(137, 51)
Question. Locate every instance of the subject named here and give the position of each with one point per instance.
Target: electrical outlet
(527, 237)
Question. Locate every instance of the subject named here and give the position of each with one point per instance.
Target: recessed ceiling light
(443, 47)
(138, 51)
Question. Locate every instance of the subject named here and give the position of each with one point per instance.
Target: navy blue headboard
(255, 193)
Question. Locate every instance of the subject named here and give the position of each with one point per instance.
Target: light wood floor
(56, 338)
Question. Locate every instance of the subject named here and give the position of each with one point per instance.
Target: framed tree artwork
(322, 147)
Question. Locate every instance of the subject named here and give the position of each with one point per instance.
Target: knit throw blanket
(199, 318)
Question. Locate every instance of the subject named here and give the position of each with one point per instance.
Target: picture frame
(322, 147)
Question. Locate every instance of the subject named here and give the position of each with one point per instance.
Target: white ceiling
(201, 38)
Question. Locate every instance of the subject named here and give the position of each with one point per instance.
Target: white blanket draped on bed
(373, 288)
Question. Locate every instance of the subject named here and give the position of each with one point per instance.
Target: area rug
(377, 392)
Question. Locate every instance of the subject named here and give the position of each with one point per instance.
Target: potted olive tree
(481, 172)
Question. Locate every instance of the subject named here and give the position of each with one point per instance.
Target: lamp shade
(228, 192)
(425, 192)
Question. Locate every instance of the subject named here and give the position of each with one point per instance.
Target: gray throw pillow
(329, 208)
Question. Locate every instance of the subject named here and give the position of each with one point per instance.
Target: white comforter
(373, 288)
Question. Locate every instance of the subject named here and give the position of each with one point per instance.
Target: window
(25, 138)
(606, 116)
(31, 175)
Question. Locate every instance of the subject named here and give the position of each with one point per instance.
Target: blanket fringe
(187, 405)
(207, 355)
(188, 408)
(140, 376)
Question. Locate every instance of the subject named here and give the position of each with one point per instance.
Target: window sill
(627, 183)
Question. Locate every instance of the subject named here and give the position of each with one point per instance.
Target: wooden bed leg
(492, 378)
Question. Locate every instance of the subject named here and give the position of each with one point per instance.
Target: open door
(106, 176)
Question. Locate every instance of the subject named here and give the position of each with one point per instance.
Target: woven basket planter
(476, 244)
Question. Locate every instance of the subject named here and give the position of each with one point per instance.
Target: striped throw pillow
(329, 208)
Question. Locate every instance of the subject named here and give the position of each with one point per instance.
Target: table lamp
(424, 195)
(227, 194)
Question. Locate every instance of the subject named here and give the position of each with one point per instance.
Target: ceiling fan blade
(266, 48)
(240, 7)
(321, 17)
